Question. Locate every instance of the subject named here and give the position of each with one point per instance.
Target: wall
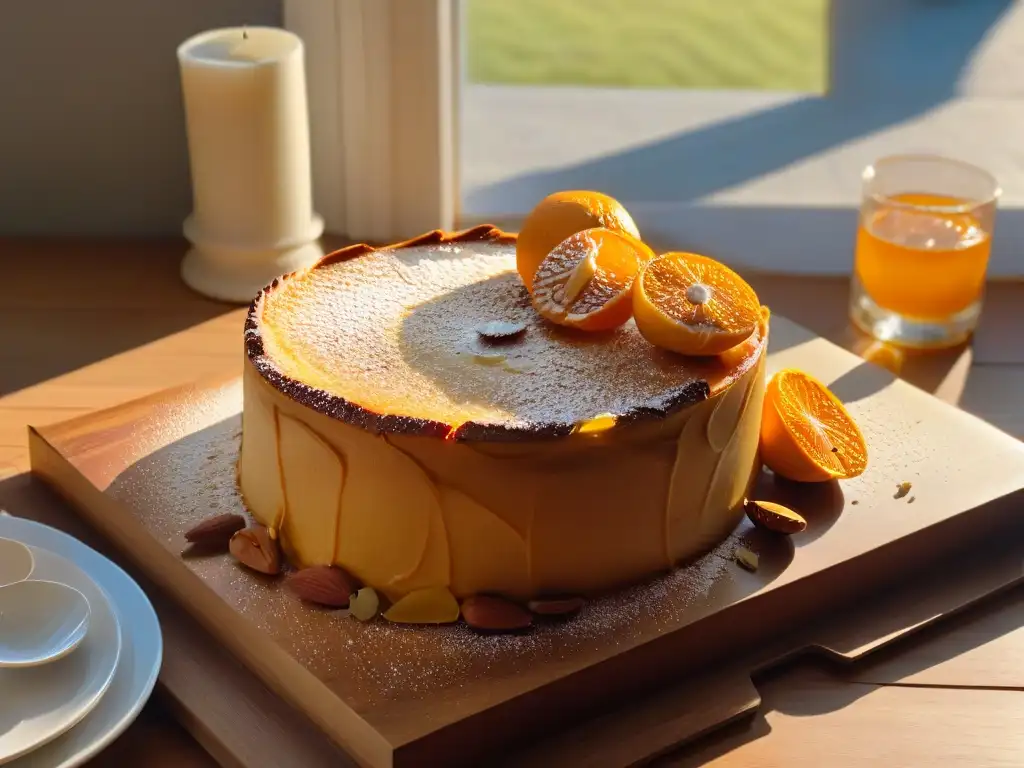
(92, 133)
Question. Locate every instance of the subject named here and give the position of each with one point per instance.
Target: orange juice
(920, 257)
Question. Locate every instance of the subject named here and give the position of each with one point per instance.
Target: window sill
(764, 180)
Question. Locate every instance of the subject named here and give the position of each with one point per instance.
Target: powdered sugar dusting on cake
(395, 331)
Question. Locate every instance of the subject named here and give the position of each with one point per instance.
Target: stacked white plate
(63, 713)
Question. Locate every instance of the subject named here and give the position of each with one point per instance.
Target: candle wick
(245, 33)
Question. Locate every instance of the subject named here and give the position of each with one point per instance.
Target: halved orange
(562, 214)
(586, 281)
(693, 305)
(806, 433)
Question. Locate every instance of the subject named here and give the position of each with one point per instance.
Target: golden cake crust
(683, 385)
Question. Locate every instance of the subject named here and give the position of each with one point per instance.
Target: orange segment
(806, 433)
(560, 215)
(694, 305)
(586, 281)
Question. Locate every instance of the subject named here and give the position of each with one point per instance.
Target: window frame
(382, 94)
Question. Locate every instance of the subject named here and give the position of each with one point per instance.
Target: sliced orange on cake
(806, 433)
(560, 215)
(694, 305)
(586, 281)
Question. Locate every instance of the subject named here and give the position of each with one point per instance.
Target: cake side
(582, 514)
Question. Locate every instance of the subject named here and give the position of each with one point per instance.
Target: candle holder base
(237, 276)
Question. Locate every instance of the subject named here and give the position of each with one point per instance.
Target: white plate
(141, 650)
(40, 703)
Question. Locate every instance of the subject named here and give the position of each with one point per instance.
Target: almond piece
(555, 607)
(433, 605)
(254, 548)
(747, 560)
(500, 331)
(325, 585)
(364, 604)
(494, 614)
(774, 517)
(215, 533)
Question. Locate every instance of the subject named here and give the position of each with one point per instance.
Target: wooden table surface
(87, 325)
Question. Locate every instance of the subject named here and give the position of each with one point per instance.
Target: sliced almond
(254, 548)
(434, 605)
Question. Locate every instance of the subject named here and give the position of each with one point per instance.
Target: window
(737, 128)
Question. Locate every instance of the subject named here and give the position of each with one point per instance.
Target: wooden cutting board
(146, 471)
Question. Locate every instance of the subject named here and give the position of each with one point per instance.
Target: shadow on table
(802, 688)
(68, 316)
(941, 372)
(953, 637)
(861, 381)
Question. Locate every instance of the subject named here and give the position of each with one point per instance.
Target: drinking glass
(922, 250)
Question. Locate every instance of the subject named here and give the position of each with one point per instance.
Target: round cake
(410, 418)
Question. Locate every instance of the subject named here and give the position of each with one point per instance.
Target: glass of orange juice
(922, 249)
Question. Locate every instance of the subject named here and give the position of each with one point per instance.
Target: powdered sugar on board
(378, 663)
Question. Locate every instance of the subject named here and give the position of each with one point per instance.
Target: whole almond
(254, 548)
(495, 614)
(325, 585)
(556, 606)
(774, 517)
(215, 533)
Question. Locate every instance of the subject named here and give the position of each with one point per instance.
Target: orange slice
(586, 281)
(562, 214)
(806, 433)
(694, 305)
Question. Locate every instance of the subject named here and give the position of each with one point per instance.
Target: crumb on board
(855, 501)
(902, 490)
(747, 559)
(911, 500)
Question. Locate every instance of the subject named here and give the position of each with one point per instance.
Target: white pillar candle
(248, 138)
